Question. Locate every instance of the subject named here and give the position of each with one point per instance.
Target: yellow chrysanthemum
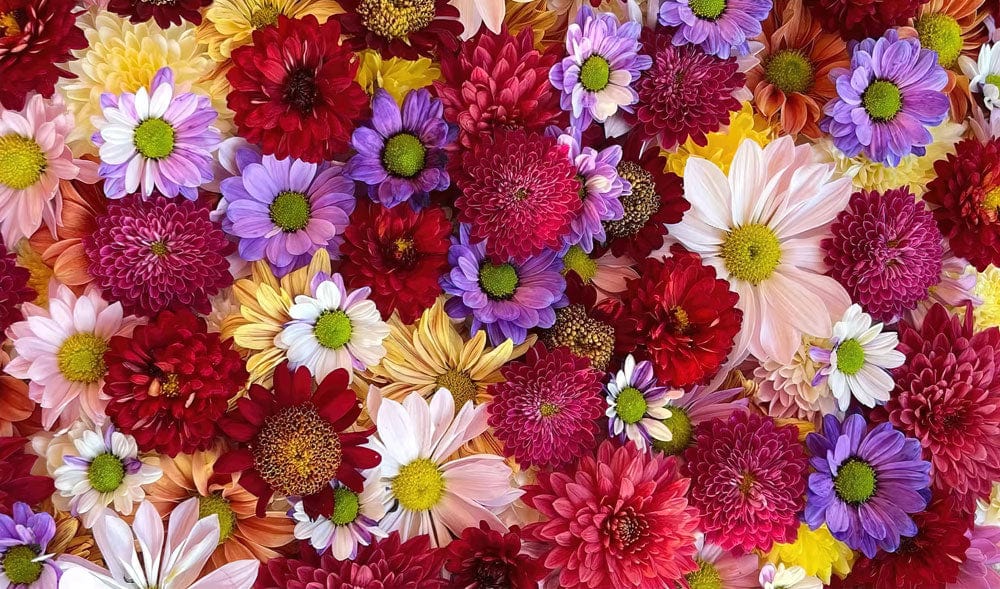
(721, 146)
(816, 551)
(988, 289)
(398, 76)
(228, 24)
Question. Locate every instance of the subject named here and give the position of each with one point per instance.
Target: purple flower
(600, 189)
(603, 61)
(720, 27)
(865, 485)
(506, 299)
(286, 210)
(23, 539)
(401, 156)
(887, 100)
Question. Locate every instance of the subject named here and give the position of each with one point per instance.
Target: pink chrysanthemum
(748, 479)
(14, 289)
(547, 410)
(620, 520)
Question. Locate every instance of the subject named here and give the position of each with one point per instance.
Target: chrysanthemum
(24, 563)
(856, 19)
(721, 568)
(720, 27)
(395, 75)
(790, 389)
(987, 289)
(484, 559)
(354, 521)
(697, 405)
(14, 289)
(16, 407)
(720, 146)
(164, 12)
(229, 24)
(816, 551)
(748, 480)
(16, 484)
(620, 519)
(637, 405)
(416, 28)
(979, 571)
(600, 190)
(306, 103)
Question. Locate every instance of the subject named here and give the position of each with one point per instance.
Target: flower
(988, 289)
(16, 408)
(547, 409)
(291, 441)
(102, 469)
(600, 190)
(229, 24)
(506, 299)
(791, 389)
(14, 289)
(720, 146)
(867, 18)
(602, 63)
(395, 75)
(695, 406)
(817, 552)
(722, 568)
(983, 74)
(23, 540)
(353, 522)
(173, 12)
(979, 569)
(885, 108)
(483, 558)
(400, 156)
(620, 519)
(421, 28)
(284, 210)
(748, 477)
(720, 27)
(637, 405)
(308, 109)
(780, 577)
(767, 246)
(16, 484)
(579, 327)
(956, 289)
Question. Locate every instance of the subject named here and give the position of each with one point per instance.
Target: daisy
(779, 577)
(726, 568)
(229, 24)
(354, 521)
(637, 406)
(984, 74)
(24, 537)
(720, 27)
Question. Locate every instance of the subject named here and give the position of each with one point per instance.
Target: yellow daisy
(228, 24)
(396, 75)
(816, 551)
(721, 146)
(988, 289)
(535, 15)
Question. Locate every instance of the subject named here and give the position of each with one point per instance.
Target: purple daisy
(157, 140)
(865, 486)
(638, 405)
(887, 100)
(596, 77)
(600, 189)
(506, 299)
(23, 540)
(285, 210)
(720, 27)
(401, 155)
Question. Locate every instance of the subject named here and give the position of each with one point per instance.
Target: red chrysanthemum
(294, 91)
(547, 410)
(620, 520)
(407, 29)
(486, 559)
(16, 481)
(14, 289)
(170, 382)
(748, 480)
(519, 192)
(164, 12)
(399, 253)
(35, 37)
(947, 396)
(857, 19)
(158, 254)
(291, 441)
(965, 199)
(686, 93)
(498, 81)
(886, 251)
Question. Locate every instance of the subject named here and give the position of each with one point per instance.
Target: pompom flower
(720, 27)
(484, 559)
(14, 289)
(165, 13)
(857, 19)
(696, 406)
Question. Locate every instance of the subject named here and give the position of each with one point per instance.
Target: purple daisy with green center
(720, 27)
(24, 536)
(600, 190)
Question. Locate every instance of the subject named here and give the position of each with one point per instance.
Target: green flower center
(106, 473)
(882, 100)
(993, 79)
(264, 16)
(580, 262)
(159, 248)
(855, 482)
(940, 33)
(154, 139)
(595, 73)
(460, 385)
(19, 565)
(790, 71)
(419, 485)
(404, 155)
(751, 252)
(850, 357)
(499, 282)
(346, 506)
(706, 577)
(333, 329)
(290, 211)
(219, 505)
(680, 428)
(631, 405)
(22, 162)
(81, 358)
(707, 9)
(992, 200)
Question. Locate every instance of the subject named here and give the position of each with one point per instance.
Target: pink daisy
(723, 568)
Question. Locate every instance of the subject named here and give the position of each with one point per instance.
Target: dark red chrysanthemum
(486, 559)
(547, 410)
(35, 37)
(619, 521)
(291, 441)
(170, 382)
(498, 81)
(965, 199)
(947, 396)
(406, 28)
(14, 289)
(399, 253)
(16, 481)
(294, 91)
(519, 192)
(886, 251)
(686, 93)
(748, 480)
(158, 254)
(164, 12)
(857, 19)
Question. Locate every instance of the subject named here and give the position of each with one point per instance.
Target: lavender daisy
(887, 100)
(637, 405)
(720, 27)
(401, 155)
(865, 485)
(506, 299)
(23, 539)
(600, 189)
(596, 77)
(156, 139)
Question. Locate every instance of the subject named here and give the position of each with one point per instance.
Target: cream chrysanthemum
(228, 24)
(816, 551)
(988, 289)
(395, 75)
(721, 146)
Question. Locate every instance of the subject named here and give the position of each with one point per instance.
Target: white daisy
(779, 577)
(984, 74)
(637, 405)
(353, 523)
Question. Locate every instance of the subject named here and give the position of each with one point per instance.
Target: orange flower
(15, 406)
(82, 204)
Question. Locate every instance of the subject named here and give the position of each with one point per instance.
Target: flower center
(595, 73)
(395, 18)
(499, 282)
(159, 248)
(751, 252)
(154, 139)
(746, 483)
(706, 577)
(81, 358)
(992, 200)
(419, 485)
(585, 336)
(219, 505)
(548, 409)
(346, 506)
(941, 33)
(9, 25)
(404, 252)
(639, 206)
(580, 262)
(264, 16)
(404, 155)
(22, 161)
(333, 329)
(460, 385)
(491, 574)
(170, 386)
(678, 321)
(790, 71)
(707, 9)
(19, 565)
(300, 89)
(850, 357)
(993, 79)
(106, 473)
(882, 100)
(627, 529)
(290, 211)
(297, 451)
(855, 482)
(679, 424)
(631, 405)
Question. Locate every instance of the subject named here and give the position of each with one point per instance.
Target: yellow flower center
(219, 505)
(264, 16)
(22, 161)
(419, 485)
(751, 252)
(548, 409)
(346, 506)
(850, 357)
(395, 18)
(159, 248)
(595, 73)
(992, 200)
(790, 71)
(290, 211)
(882, 100)
(9, 25)
(106, 473)
(460, 385)
(81, 358)
(631, 405)
(855, 482)
(993, 79)
(707, 9)
(499, 282)
(18, 564)
(706, 577)
(333, 329)
(297, 451)
(940, 33)
(154, 139)
(404, 155)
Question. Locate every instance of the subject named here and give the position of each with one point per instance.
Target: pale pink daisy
(722, 567)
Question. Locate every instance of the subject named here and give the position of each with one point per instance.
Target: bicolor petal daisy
(638, 406)
(353, 522)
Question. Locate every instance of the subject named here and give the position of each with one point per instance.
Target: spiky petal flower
(14, 289)
(485, 559)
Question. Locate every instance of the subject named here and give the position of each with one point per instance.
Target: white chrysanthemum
(354, 521)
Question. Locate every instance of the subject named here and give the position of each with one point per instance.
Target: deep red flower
(35, 37)
(857, 19)
(170, 382)
(16, 481)
(408, 29)
(399, 253)
(292, 440)
(164, 12)
(486, 559)
(294, 91)
(14, 289)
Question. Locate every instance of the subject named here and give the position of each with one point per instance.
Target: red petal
(235, 461)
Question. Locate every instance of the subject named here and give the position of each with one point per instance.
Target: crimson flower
(401, 29)
(486, 559)
(16, 481)
(165, 12)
